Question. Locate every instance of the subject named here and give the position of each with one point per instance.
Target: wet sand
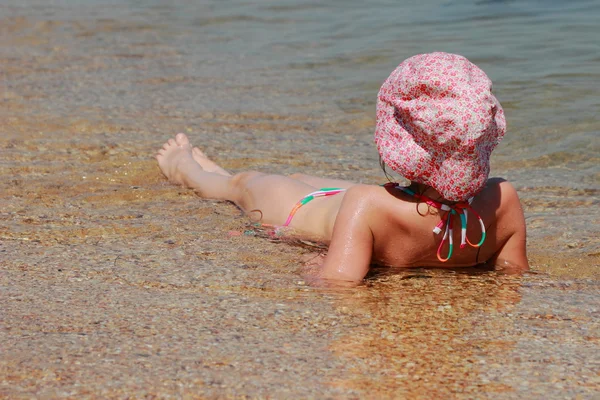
(116, 284)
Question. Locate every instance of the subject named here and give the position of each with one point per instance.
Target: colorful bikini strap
(446, 223)
(311, 196)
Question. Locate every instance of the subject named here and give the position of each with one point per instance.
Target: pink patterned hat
(438, 122)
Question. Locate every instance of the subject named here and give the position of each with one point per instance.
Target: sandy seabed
(116, 284)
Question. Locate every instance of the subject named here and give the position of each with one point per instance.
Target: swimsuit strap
(311, 196)
(459, 209)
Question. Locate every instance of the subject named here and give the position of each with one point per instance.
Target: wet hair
(383, 168)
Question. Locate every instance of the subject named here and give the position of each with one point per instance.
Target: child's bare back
(431, 132)
(389, 227)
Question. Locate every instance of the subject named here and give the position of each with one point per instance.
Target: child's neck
(430, 192)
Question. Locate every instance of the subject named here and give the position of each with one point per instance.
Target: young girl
(437, 124)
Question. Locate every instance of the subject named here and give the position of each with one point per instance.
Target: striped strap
(309, 197)
(446, 223)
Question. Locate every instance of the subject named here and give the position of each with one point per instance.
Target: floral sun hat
(438, 122)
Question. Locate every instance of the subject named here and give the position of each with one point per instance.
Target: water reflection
(412, 332)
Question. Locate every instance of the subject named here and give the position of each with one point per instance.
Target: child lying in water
(437, 124)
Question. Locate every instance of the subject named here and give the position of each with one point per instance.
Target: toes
(168, 144)
(181, 139)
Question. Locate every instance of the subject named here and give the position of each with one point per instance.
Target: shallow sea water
(114, 283)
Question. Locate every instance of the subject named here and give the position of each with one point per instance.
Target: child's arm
(351, 247)
(513, 254)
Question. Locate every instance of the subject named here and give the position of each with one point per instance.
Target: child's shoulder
(509, 228)
(498, 182)
(374, 197)
(365, 194)
(500, 192)
(381, 200)
(499, 204)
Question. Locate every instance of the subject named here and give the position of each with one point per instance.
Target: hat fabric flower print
(438, 122)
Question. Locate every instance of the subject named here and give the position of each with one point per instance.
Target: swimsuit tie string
(323, 192)
(461, 209)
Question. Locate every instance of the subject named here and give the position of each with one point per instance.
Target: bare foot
(207, 164)
(175, 153)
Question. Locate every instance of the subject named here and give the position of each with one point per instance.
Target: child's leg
(206, 163)
(322, 182)
(177, 163)
(314, 181)
(273, 195)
